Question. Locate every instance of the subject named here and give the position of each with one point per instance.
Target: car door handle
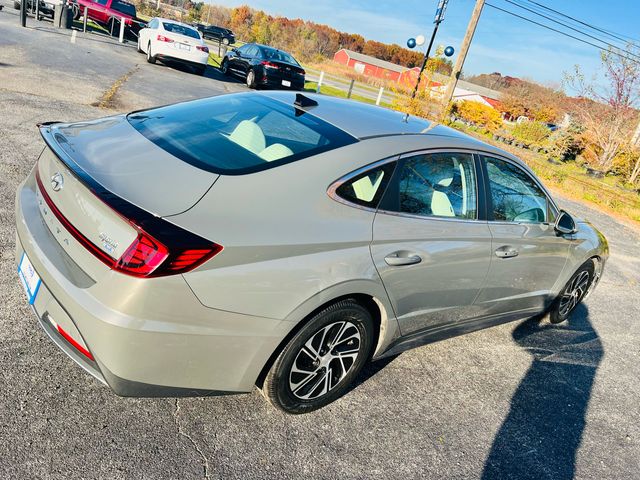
(506, 252)
(397, 259)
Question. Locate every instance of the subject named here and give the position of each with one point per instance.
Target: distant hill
(494, 81)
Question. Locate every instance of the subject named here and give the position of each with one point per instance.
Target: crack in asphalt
(107, 100)
(181, 431)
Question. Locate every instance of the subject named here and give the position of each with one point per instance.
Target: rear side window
(435, 185)
(236, 134)
(278, 55)
(180, 30)
(367, 188)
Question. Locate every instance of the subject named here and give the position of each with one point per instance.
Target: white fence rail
(351, 87)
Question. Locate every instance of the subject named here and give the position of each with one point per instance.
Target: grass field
(337, 92)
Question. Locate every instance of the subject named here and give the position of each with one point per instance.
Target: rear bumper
(149, 337)
(193, 58)
(181, 61)
(275, 81)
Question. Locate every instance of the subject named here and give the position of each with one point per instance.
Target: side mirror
(565, 224)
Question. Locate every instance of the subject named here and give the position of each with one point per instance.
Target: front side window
(438, 185)
(515, 196)
(236, 134)
(367, 188)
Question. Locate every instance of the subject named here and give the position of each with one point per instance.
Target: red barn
(374, 67)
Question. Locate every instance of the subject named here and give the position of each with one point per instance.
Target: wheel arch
(385, 324)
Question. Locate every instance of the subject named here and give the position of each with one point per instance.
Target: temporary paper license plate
(286, 83)
(30, 279)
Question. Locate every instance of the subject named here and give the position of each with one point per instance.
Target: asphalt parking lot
(521, 400)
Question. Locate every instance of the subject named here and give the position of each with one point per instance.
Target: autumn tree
(216, 15)
(607, 109)
(529, 99)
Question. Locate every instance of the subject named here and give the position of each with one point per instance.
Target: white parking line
(73, 36)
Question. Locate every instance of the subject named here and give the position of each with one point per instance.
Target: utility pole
(442, 7)
(464, 48)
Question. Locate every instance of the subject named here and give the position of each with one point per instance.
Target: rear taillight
(267, 64)
(302, 72)
(202, 48)
(190, 258)
(179, 252)
(162, 38)
(142, 257)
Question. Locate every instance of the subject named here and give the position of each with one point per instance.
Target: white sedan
(168, 40)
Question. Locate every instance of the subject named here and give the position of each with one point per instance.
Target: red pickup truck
(109, 12)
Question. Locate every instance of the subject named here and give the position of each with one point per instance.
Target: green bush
(567, 143)
(531, 132)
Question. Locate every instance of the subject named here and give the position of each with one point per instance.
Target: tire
(200, 70)
(225, 67)
(251, 79)
(573, 293)
(225, 41)
(328, 353)
(150, 58)
(138, 47)
(76, 12)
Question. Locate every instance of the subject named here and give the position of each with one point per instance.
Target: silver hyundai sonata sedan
(282, 240)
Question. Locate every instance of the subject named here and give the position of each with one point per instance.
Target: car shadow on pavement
(370, 370)
(541, 434)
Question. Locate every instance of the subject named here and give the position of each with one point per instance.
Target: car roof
(362, 120)
(175, 22)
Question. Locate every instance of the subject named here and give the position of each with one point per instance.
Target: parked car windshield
(235, 134)
(278, 55)
(180, 29)
(123, 7)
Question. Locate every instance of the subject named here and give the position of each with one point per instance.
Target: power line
(562, 33)
(602, 30)
(570, 27)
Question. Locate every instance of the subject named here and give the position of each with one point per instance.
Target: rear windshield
(180, 30)
(122, 7)
(236, 134)
(278, 56)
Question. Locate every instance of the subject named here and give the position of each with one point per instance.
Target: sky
(502, 43)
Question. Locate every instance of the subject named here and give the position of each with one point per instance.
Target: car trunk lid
(85, 166)
(287, 70)
(121, 160)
